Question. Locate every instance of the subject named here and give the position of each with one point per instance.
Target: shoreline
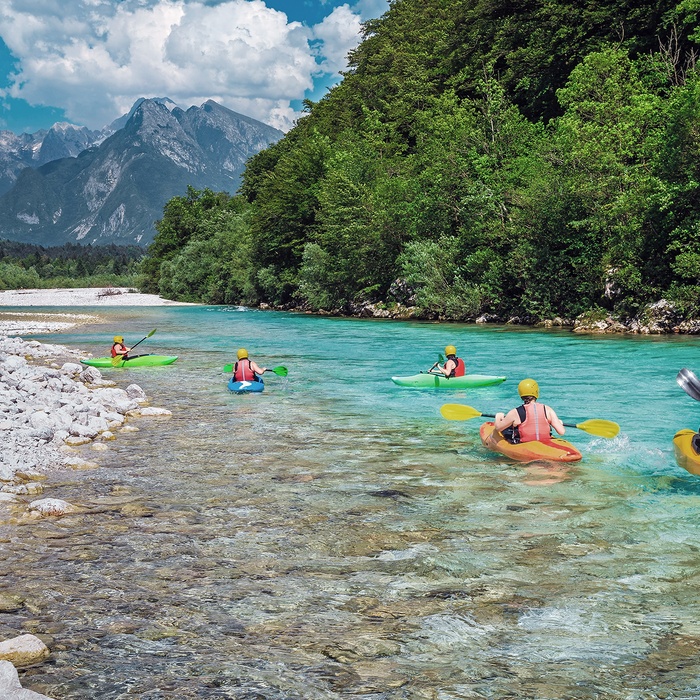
(52, 409)
(658, 318)
(31, 322)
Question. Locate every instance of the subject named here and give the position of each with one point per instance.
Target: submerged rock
(51, 506)
(24, 650)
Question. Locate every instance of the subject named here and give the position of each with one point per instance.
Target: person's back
(531, 421)
(454, 366)
(245, 370)
(118, 347)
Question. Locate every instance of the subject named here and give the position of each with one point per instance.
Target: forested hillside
(28, 266)
(477, 158)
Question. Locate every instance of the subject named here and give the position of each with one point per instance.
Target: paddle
(440, 360)
(689, 383)
(116, 361)
(594, 426)
(279, 371)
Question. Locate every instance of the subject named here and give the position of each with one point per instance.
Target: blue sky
(87, 61)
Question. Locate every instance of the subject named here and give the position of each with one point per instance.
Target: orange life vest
(536, 425)
(459, 370)
(243, 372)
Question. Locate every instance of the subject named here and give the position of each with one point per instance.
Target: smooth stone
(24, 650)
(51, 506)
(10, 687)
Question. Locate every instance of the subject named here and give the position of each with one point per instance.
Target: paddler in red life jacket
(532, 420)
(245, 370)
(454, 366)
(119, 349)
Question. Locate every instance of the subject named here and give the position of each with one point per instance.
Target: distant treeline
(536, 159)
(27, 266)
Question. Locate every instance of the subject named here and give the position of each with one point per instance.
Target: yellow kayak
(686, 456)
(551, 450)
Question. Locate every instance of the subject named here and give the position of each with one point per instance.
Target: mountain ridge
(115, 188)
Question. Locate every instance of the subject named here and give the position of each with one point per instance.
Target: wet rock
(10, 603)
(151, 411)
(135, 392)
(24, 650)
(389, 493)
(51, 506)
(597, 323)
(488, 318)
(10, 687)
(79, 463)
(362, 647)
(691, 327)
(30, 489)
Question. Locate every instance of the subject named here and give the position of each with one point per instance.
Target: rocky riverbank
(654, 319)
(50, 404)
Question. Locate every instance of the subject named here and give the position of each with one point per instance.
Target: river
(334, 536)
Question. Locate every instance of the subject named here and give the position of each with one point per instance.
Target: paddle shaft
(142, 339)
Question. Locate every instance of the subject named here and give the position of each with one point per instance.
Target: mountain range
(70, 184)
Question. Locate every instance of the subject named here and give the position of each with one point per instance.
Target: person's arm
(256, 369)
(554, 421)
(505, 420)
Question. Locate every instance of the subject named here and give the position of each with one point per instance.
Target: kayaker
(532, 420)
(454, 366)
(119, 349)
(245, 370)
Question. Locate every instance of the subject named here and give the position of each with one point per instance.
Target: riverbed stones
(11, 688)
(46, 410)
(24, 650)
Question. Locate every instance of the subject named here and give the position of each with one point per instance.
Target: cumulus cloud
(94, 58)
(367, 9)
(338, 34)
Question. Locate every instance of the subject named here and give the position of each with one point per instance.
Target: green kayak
(137, 361)
(436, 381)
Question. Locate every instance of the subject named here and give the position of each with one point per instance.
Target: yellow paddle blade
(599, 427)
(457, 411)
(117, 361)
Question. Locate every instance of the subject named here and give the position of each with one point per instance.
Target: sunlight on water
(336, 536)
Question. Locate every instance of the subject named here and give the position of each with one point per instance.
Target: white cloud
(367, 9)
(338, 33)
(94, 58)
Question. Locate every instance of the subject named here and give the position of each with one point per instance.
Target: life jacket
(459, 370)
(243, 372)
(114, 349)
(535, 425)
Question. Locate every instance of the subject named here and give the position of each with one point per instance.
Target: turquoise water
(335, 536)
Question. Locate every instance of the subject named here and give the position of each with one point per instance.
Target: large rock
(10, 687)
(659, 317)
(24, 650)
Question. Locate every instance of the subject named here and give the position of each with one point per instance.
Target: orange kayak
(686, 456)
(553, 450)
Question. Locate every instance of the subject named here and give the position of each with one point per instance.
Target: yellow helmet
(118, 338)
(528, 387)
(242, 354)
(450, 350)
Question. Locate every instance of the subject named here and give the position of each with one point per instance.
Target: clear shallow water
(334, 536)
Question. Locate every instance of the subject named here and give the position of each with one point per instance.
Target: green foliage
(28, 266)
(531, 159)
